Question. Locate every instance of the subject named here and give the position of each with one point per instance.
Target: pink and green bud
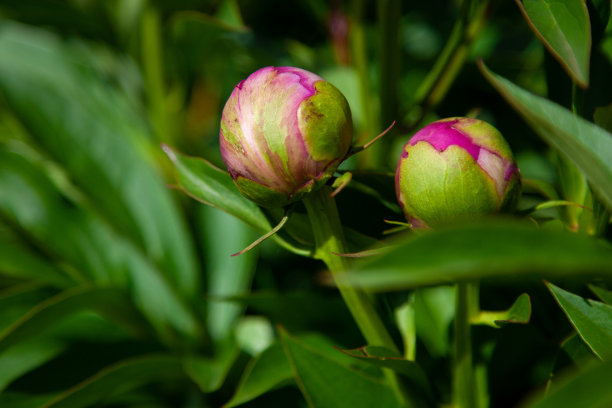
(453, 169)
(284, 131)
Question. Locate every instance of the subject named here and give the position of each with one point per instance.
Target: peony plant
(456, 168)
(284, 131)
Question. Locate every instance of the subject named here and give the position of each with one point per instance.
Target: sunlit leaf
(564, 28)
(591, 319)
(519, 312)
(585, 144)
(495, 249)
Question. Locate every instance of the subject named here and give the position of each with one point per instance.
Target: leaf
(587, 145)
(266, 372)
(212, 186)
(49, 313)
(434, 309)
(101, 141)
(209, 373)
(385, 358)
(26, 356)
(604, 294)
(591, 319)
(326, 383)
(519, 312)
(590, 389)
(564, 28)
(222, 317)
(118, 379)
(482, 250)
(92, 248)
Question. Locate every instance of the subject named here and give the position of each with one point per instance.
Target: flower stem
(464, 379)
(329, 239)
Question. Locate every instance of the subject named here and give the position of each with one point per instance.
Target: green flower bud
(284, 131)
(456, 168)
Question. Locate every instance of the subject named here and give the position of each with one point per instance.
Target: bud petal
(284, 131)
(456, 168)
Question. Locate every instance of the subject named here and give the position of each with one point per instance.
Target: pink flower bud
(284, 131)
(456, 168)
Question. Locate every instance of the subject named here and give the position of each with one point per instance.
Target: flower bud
(284, 131)
(456, 168)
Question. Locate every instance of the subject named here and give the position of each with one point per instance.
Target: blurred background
(118, 290)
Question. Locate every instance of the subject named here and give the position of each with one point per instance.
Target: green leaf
(434, 310)
(209, 373)
(26, 356)
(591, 319)
(118, 379)
(585, 144)
(49, 313)
(222, 316)
(212, 186)
(604, 294)
(92, 248)
(519, 312)
(264, 373)
(482, 250)
(385, 358)
(590, 389)
(101, 141)
(326, 383)
(564, 28)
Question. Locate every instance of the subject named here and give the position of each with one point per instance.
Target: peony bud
(284, 131)
(456, 168)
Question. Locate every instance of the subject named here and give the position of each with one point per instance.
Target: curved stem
(329, 239)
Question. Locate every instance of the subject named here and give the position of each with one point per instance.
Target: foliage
(117, 288)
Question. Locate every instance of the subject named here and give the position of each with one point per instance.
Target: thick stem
(464, 375)
(330, 241)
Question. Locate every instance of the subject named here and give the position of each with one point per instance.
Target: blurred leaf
(18, 400)
(591, 319)
(101, 140)
(222, 317)
(212, 186)
(590, 389)
(604, 294)
(385, 358)
(51, 312)
(16, 261)
(519, 312)
(434, 309)
(209, 373)
(564, 28)
(588, 146)
(326, 383)
(482, 250)
(117, 379)
(25, 356)
(93, 250)
(578, 352)
(264, 373)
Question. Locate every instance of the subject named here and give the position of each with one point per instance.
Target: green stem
(329, 239)
(152, 65)
(464, 376)
(451, 59)
(359, 58)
